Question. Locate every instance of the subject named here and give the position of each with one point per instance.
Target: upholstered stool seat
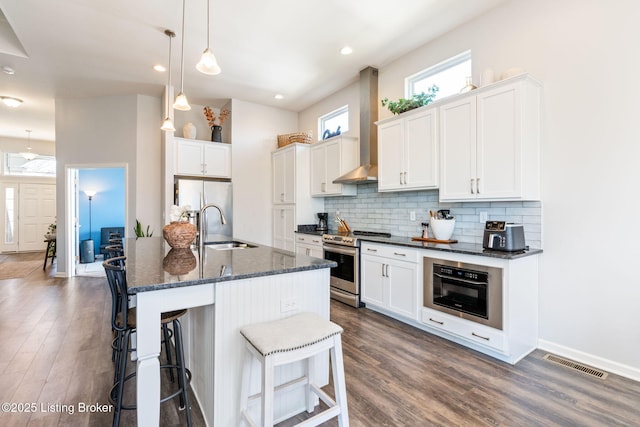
(299, 337)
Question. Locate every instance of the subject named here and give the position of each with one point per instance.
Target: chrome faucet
(203, 222)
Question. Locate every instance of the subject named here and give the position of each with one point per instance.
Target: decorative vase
(179, 235)
(216, 133)
(189, 131)
(179, 261)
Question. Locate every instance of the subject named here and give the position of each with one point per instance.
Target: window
(17, 165)
(450, 76)
(329, 124)
(9, 215)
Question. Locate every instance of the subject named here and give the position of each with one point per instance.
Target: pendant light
(181, 103)
(167, 124)
(29, 155)
(208, 63)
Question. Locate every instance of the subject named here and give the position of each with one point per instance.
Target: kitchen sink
(222, 246)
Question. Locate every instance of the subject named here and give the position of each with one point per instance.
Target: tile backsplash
(390, 212)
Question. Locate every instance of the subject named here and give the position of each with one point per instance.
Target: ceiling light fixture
(208, 63)
(8, 70)
(29, 155)
(346, 50)
(181, 103)
(279, 96)
(159, 68)
(167, 123)
(10, 101)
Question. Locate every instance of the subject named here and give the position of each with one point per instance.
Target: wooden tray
(430, 240)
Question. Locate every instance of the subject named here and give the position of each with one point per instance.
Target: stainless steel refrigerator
(198, 192)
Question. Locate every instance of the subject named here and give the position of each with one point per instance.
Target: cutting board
(430, 240)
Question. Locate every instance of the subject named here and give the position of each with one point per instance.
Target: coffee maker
(322, 222)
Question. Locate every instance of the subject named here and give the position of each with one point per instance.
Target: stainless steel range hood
(368, 169)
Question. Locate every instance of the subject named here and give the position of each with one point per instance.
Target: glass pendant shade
(167, 125)
(181, 102)
(208, 63)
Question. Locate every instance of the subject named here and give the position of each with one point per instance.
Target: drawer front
(466, 329)
(309, 239)
(399, 253)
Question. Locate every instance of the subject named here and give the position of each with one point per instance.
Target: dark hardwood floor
(55, 338)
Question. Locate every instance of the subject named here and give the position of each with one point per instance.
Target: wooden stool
(299, 337)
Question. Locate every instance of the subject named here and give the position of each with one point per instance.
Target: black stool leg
(122, 370)
(167, 348)
(182, 375)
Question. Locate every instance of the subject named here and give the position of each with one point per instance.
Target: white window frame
(322, 120)
(411, 81)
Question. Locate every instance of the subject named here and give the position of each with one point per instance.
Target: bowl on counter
(442, 228)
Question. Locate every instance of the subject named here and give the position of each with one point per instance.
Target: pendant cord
(182, 56)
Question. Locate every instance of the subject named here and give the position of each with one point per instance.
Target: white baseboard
(591, 360)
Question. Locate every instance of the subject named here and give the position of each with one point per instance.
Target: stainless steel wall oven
(469, 291)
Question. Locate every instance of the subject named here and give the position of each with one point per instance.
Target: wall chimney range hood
(368, 169)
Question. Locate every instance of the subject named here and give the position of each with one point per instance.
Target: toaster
(503, 236)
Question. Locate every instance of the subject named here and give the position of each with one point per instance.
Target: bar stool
(299, 337)
(123, 322)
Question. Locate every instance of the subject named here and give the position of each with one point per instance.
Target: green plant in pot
(419, 100)
(140, 232)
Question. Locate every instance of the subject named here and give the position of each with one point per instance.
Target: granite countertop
(461, 248)
(153, 265)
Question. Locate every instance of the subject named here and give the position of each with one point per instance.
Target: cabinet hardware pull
(307, 251)
(300, 239)
(372, 250)
(282, 197)
(472, 185)
(405, 178)
(382, 265)
(315, 241)
(399, 254)
(480, 336)
(400, 178)
(387, 270)
(435, 321)
(323, 187)
(478, 185)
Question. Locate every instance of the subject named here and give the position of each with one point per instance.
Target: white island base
(215, 349)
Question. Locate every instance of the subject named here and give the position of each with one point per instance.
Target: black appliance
(322, 222)
(473, 292)
(503, 236)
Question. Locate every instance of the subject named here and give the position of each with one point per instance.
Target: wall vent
(577, 366)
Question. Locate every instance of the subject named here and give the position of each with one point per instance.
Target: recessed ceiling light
(346, 50)
(279, 96)
(8, 70)
(10, 101)
(159, 68)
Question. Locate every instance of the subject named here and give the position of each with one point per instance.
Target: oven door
(345, 275)
(459, 294)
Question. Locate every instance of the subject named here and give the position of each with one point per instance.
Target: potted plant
(215, 122)
(402, 105)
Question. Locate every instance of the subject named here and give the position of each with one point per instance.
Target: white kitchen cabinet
(330, 159)
(292, 201)
(200, 158)
(408, 151)
(390, 278)
(309, 244)
(284, 227)
(490, 143)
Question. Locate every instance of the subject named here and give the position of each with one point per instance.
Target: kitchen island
(224, 289)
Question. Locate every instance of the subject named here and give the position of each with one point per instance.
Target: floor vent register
(577, 366)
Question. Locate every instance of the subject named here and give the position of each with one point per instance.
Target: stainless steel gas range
(344, 249)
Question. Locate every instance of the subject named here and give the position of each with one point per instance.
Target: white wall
(107, 131)
(254, 130)
(584, 53)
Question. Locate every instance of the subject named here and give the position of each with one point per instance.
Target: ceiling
(91, 48)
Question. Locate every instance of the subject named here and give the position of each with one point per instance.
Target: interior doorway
(97, 205)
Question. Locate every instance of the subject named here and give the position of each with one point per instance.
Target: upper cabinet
(200, 158)
(330, 159)
(408, 151)
(284, 175)
(490, 143)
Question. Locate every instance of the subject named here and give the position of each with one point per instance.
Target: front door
(37, 209)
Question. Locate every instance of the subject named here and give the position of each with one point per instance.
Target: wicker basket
(179, 261)
(179, 235)
(290, 138)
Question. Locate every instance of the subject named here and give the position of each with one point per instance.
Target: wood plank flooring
(54, 350)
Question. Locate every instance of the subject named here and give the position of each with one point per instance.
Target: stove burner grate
(371, 233)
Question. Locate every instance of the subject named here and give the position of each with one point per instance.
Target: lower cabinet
(309, 244)
(390, 278)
